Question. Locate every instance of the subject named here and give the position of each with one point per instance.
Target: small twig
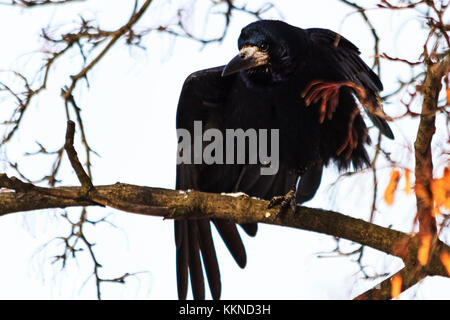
(376, 38)
(73, 157)
(37, 3)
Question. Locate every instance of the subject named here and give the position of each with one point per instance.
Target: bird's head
(269, 52)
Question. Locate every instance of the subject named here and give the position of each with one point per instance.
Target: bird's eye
(264, 46)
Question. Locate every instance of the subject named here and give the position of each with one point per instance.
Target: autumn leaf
(436, 212)
(424, 249)
(447, 89)
(391, 187)
(396, 286)
(448, 96)
(441, 190)
(407, 188)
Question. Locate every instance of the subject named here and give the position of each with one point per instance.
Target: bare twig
(37, 3)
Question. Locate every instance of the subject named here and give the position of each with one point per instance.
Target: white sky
(133, 97)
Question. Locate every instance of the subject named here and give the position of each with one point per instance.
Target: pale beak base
(249, 57)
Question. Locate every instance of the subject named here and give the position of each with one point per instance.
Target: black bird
(300, 81)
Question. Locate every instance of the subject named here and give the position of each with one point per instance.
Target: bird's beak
(248, 57)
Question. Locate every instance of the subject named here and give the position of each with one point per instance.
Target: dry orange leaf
(396, 286)
(441, 190)
(424, 249)
(445, 258)
(391, 187)
(436, 212)
(447, 88)
(448, 96)
(407, 181)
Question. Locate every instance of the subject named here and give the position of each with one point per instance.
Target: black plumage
(268, 85)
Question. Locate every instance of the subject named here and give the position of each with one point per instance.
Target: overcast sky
(129, 113)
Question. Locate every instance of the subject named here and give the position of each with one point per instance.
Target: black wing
(340, 57)
(202, 98)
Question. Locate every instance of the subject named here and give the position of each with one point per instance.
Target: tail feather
(250, 228)
(233, 241)
(209, 258)
(195, 265)
(181, 236)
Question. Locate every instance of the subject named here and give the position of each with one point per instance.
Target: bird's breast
(280, 109)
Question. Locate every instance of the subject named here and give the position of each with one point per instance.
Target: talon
(313, 97)
(328, 92)
(352, 137)
(334, 100)
(275, 201)
(323, 109)
(308, 88)
(284, 202)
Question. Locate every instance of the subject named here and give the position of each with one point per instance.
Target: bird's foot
(284, 202)
(351, 142)
(328, 92)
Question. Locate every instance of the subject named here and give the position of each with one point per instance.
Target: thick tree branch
(173, 204)
(424, 164)
(409, 277)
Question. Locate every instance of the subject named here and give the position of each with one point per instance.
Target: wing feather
(340, 58)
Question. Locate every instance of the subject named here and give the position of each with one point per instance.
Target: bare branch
(37, 3)
(173, 204)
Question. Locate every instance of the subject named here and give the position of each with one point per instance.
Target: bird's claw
(351, 142)
(328, 92)
(284, 202)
